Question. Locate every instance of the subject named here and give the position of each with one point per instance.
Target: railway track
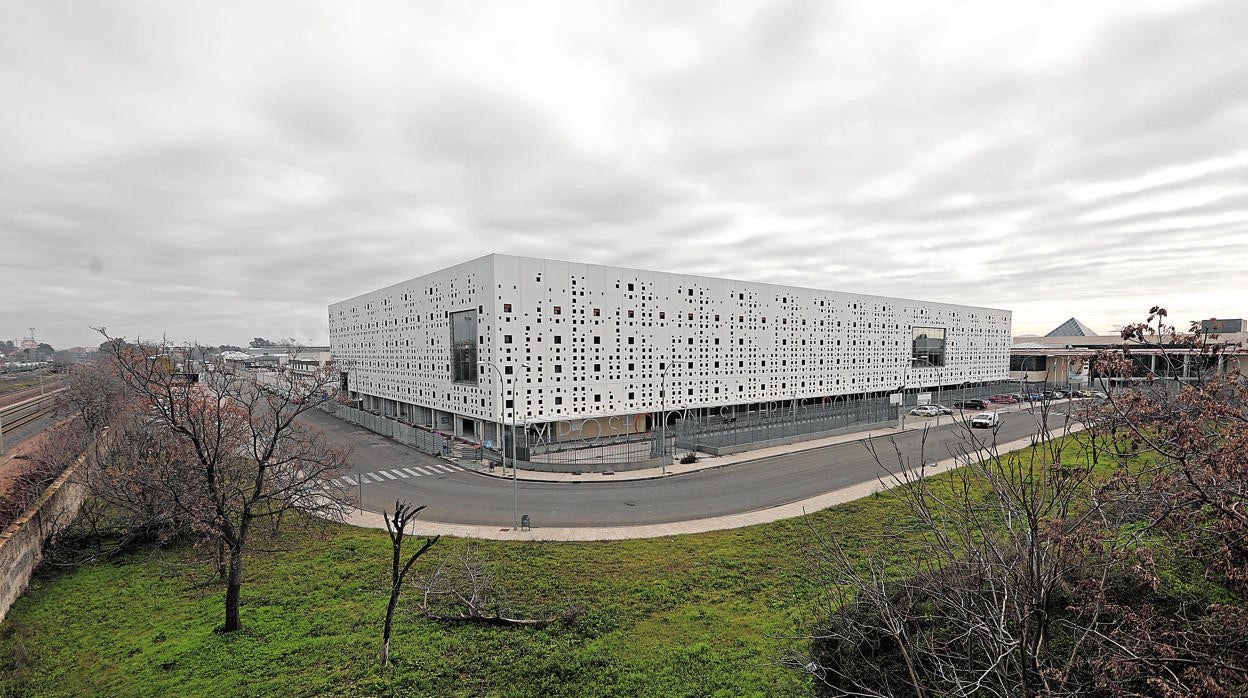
(13, 397)
(18, 415)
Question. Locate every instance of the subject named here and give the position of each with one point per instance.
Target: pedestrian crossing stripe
(396, 473)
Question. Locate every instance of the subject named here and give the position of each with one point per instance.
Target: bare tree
(962, 599)
(1037, 573)
(97, 397)
(138, 483)
(248, 458)
(404, 514)
(46, 457)
(463, 590)
(1180, 437)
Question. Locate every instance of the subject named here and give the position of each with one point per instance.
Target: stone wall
(21, 544)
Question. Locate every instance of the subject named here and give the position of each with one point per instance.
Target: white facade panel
(581, 340)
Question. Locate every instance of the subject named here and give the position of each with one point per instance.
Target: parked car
(971, 405)
(942, 408)
(1054, 395)
(924, 411)
(986, 420)
(1003, 399)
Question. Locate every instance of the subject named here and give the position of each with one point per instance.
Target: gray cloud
(226, 171)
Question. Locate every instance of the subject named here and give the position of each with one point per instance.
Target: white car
(986, 420)
(925, 411)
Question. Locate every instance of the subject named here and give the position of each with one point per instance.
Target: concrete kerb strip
(704, 462)
(370, 519)
(718, 523)
(708, 462)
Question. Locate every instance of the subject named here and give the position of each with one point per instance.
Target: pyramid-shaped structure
(1072, 328)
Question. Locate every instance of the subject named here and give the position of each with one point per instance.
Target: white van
(986, 420)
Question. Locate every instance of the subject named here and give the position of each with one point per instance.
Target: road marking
(336, 482)
(456, 468)
(388, 475)
(347, 479)
(398, 472)
(413, 472)
(372, 477)
(439, 468)
(422, 470)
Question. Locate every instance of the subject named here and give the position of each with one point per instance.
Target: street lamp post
(515, 472)
(515, 486)
(901, 404)
(905, 380)
(663, 415)
(502, 415)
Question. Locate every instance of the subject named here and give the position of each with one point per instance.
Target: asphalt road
(473, 499)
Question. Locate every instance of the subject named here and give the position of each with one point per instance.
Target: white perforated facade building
(580, 342)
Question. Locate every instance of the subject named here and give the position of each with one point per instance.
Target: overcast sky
(217, 171)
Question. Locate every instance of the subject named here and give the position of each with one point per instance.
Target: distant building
(299, 360)
(1060, 359)
(1216, 326)
(602, 350)
(1072, 328)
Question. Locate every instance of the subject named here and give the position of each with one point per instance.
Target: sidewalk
(704, 462)
(369, 519)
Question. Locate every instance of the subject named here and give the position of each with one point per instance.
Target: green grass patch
(698, 615)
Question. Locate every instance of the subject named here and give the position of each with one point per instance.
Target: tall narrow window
(927, 348)
(464, 346)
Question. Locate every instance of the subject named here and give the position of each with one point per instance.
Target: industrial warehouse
(561, 354)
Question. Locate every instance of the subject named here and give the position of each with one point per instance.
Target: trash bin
(524, 523)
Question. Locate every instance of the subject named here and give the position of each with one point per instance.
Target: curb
(796, 448)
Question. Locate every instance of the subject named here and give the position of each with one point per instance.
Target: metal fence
(637, 447)
(421, 439)
(778, 422)
(970, 391)
(689, 430)
(794, 420)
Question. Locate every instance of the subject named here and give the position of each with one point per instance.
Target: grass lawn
(699, 615)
